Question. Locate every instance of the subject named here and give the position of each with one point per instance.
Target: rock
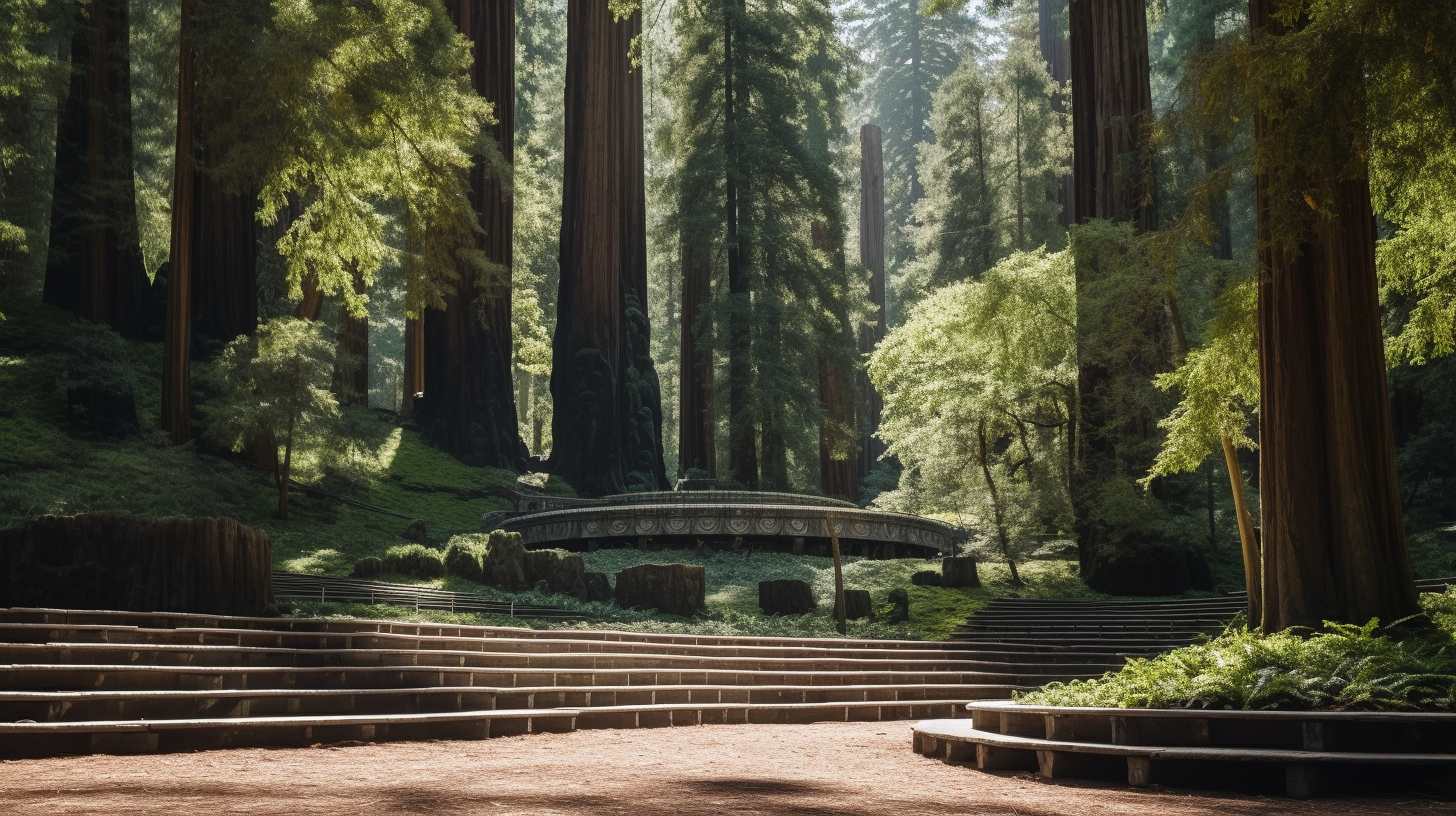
(857, 604)
(926, 578)
(900, 601)
(368, 567)
(785, 597)
(504, 564)
(959, 572)
(598, 587)
(677, 589)
(416, 532)
(463, 562)
(568, 574)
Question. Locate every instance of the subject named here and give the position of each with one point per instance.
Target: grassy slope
(46, 468)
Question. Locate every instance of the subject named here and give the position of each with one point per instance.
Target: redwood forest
(704, 317)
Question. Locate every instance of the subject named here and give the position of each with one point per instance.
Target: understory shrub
(414, 559)
(1409, 666)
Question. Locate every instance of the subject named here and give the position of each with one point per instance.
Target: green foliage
(386, 127)
(978, 385)
(97, 359)
(1410, 667)
(30, 80)
(275, 384)
(1220, 386)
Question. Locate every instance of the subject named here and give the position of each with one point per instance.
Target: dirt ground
(829, 769)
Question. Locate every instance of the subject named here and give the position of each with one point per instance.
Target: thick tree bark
(696, 423)
(470, 408)
(1333, 533)
(225, 255)
(1113, 180)
(839, 460)
(176, 413)
(414, 363)
(351, 365)
(94, 267)
(742, 430)
(608, 417)
(872, 257)
(1056, 51)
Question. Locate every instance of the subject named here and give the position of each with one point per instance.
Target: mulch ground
(828, 769)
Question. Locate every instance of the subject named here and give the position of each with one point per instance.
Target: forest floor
(827, 769)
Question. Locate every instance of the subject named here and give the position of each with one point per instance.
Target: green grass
(1410, 666)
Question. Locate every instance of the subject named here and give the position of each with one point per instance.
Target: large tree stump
(959, 572)
(857, 604)
(567, 573)
(598, 587)
(785, 597)
(926, 578)
(119, 562)
(677, 589)
(504, 564)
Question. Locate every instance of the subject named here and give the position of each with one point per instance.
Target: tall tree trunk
(696, 423)
(1333, 534)
(94, 267)
(608, 417)
(414, 363)
(225, 253)
(1112, 174)
(872, 257)
(742, 429)
(1056, 50)
(351, 363)
(839, 461)
(470, 407)
(176, 413)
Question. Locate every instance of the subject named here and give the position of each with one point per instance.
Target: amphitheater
(92, 682)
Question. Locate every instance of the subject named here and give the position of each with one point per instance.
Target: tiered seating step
(1295, 751)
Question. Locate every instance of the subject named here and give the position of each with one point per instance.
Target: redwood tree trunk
(1333, 533)
(414, 363)
(696, 450)
(470, 407)
(94, 267)
(839, 460)
(742, 429)
(225, 255)
(607, 423)
(1056, 51)
(872, 257)
(351, 366)
(1113, 180)
(176, 353)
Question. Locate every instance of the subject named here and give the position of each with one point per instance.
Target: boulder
(504, 564)
(900, 602)
(857, 604)
(677, 589)
(959, 572)
(598, 587)
(926, 578)
(785, 597)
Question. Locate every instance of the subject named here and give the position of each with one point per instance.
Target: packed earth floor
(826, 769)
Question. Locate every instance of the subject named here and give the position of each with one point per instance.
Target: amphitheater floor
(828, 769)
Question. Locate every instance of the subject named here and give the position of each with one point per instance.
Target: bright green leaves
(276, 384)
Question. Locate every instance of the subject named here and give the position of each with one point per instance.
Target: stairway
(75, 682)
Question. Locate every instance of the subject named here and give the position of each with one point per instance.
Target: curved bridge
(776, 521)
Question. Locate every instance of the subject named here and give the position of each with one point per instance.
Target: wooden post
(839, 608)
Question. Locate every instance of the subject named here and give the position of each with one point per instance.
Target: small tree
(276, 385)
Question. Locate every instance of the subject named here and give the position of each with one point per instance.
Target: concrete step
(56, 677)
(186, 655)
(231, 703)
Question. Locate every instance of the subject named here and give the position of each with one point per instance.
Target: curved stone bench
(1193, 748)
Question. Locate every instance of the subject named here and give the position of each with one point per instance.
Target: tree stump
(538, 565)
(959, 572)
(368, 567)
(504, 564)
(463, 562)
(926, 578)
(119, 562)
(900, 601)
(598, 588)
(677, 589)
(785, 597)
(857, 604)
(567, 574)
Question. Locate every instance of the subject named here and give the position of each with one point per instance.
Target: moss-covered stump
(114, 561)
(598, 587)
(677, 589)
(926, 578)
(785, 597)
(504, 564)
(959, 571)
